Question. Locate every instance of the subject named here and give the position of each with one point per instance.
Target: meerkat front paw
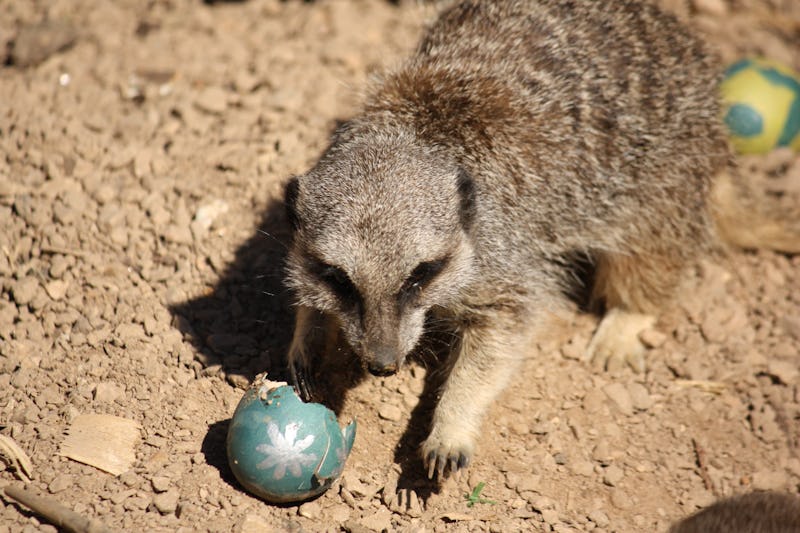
(616, 341)
(447, 452)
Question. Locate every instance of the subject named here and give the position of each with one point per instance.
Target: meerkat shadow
(242, 325)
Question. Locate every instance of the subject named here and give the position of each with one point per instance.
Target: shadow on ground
(245, 324)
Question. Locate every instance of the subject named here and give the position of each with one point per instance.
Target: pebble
(613, 475)
(160, 483)
(56, 289)
(339, 513)
(716, 8)
(550, 516)
(24, 290)
(252, 523)
(381, 520)
(791, 325)
(390, 412)
(599, 517)
(166, 502)
(620, 396)
(212, 100)
(61, 482)
(785, 371)
(770, 480)
(311, 510)
(37, 42)
(107, 392)
(621, 500)
(582, 468)
(640, 397)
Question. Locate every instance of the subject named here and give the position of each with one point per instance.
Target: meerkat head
(381, 235)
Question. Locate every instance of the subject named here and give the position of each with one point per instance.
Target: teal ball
(282, 449)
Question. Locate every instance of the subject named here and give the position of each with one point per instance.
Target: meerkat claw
(302, 382)
(442, 465)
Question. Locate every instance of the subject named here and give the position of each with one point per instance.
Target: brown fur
(756, 512)
(520, 136)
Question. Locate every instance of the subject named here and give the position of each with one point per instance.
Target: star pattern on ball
(285, 452)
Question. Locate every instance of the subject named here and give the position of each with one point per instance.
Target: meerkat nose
(382, 370)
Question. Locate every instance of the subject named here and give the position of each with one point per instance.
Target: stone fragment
(24, 290)
(166, 502)
(620, 396)
(770, 480)
(599, 517)
(60, 483)
(785, 371)
(160, 483)
(212, 100)
(310, 510)
(640, 397)
(381, 520)
(613, 475)
(36, 42)
(390, 412)
(56, 289)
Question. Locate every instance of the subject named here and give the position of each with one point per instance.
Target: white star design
(284, 453)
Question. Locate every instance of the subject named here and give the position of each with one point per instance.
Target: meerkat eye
(338, 280)
(422, 275)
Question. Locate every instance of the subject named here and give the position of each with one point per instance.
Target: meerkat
(755, 512)
(521, 136)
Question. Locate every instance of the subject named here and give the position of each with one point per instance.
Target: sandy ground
(144, 146)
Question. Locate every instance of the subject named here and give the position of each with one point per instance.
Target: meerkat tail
(743, 217)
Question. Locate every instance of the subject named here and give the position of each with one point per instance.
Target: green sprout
(475, 496)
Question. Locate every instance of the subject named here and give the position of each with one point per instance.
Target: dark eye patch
(338, 281)
(420, 277)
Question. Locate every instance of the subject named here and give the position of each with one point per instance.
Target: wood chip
(16, 458)
(103, 441)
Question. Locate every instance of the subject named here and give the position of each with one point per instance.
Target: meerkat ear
(466, 192)
(290, 192)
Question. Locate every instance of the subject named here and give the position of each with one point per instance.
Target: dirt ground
(144, 146)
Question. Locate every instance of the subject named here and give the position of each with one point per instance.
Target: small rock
(620, 396)
(582, 468)
(770, 480)
(57, 289)
(107, 392)
(389, 491)
(60, 483)
(599, 518)
(390, 412)
(212, 100)
(311, 510)
(252, 523)
(550, 516)
(621, 500)
(37, 42)
(207, 213)
(602, 453)
(339, 513)
(640, 397)
(166, 502)
(160, 483)
(785, 371)
(790, 324)
(613, 475)
(378, 521)
(24, 290)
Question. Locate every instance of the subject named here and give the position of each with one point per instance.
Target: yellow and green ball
(761, 105)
